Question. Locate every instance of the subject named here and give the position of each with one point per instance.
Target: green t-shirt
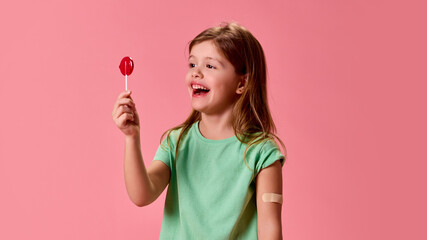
(212, 194)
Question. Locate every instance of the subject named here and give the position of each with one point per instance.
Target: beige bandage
(272, 197)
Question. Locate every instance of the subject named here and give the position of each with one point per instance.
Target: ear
(242, 84)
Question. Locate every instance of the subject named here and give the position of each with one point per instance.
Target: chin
(198, 108)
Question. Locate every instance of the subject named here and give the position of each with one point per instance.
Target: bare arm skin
(269, 180)
(143, 185)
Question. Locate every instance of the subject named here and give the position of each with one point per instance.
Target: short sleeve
(165, 152)
(269, 154)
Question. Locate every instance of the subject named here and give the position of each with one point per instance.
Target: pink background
(344, 87)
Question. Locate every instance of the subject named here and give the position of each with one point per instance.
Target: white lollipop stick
(126, 78)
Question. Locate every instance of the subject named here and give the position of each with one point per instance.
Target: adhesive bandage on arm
(272, 197)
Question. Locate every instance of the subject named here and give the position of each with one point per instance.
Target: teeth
(196, 86)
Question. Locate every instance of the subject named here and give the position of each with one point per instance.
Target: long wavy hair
(251, 118)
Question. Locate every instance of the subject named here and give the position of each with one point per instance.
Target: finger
(127, 102)
(123, 101)
(123, 109)
(123, 118)
(123, 94)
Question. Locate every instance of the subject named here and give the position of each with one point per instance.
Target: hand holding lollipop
(124, 112)
(126, 67)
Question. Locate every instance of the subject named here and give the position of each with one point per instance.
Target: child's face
(209, 69)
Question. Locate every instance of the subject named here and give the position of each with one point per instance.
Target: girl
(222, 164)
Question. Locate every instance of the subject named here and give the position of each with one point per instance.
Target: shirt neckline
(221, 141)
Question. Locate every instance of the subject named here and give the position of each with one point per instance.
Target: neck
(217, 126)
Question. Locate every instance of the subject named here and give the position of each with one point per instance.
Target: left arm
(269, 180)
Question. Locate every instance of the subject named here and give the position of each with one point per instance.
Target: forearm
(138, 184)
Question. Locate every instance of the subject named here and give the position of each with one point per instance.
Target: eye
(210, 66)
(191, 65)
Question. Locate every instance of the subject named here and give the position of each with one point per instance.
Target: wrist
(135, 137)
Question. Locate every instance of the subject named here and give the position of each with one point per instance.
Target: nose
(196, 73)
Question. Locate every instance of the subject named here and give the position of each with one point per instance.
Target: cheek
(227, 84)
(223, 91)
(187, 81)
(187, 78)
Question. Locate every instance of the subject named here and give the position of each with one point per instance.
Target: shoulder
(170, 138)
(265, 151)
(269, 144)
(172, 135)
(262, 144)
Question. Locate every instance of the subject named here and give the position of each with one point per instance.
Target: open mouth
(199, 90)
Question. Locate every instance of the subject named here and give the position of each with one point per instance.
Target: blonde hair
(251, 118)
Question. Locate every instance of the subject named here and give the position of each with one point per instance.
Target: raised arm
(143, 186)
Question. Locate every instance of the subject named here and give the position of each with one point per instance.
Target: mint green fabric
(212, 194)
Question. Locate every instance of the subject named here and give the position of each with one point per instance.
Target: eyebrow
(209, 58)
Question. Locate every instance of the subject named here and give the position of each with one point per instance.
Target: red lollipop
(126, 67)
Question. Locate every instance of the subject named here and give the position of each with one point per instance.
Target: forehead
(206, 49)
